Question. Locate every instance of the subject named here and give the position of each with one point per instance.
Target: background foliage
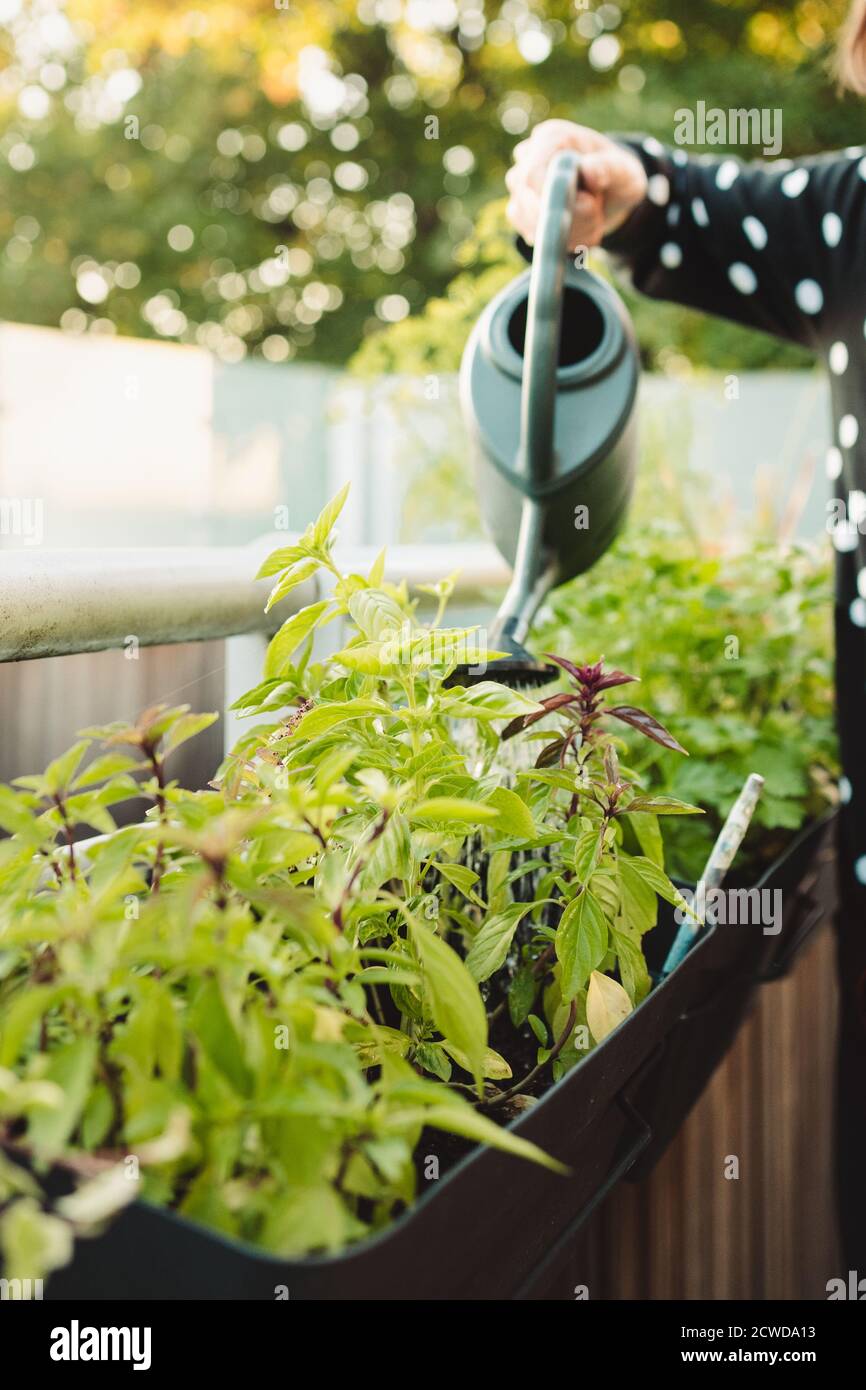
(736, 651)
(276, 192)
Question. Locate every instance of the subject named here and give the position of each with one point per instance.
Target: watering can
(548, 383)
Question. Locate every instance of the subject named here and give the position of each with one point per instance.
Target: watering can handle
(534, 569)
(544, 321)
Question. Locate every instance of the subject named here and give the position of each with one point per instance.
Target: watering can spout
(534, 574)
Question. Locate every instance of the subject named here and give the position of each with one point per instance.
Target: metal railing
(62, 602)
(56, 603)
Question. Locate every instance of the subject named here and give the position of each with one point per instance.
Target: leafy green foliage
(736, 648)
(251, 1006)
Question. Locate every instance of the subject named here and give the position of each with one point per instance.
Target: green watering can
(548, 384)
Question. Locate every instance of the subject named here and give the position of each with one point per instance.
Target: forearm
(756, 243)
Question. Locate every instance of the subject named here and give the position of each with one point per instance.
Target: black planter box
(496, 1227)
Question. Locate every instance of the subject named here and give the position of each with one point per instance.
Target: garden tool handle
(544, 322)
(728, 841)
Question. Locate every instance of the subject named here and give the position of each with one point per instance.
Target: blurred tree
(289, 177)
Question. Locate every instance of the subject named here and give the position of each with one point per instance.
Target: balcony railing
(55, 603)
(61, 602)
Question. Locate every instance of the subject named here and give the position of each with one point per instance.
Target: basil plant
(401, 910)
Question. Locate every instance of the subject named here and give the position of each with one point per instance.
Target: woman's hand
(612, 181)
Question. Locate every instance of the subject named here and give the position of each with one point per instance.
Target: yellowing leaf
(99, 1198)
(368, 658)
(59, 773)
(280, 560)
(382, 1039)
(495, 1067)
(187, 727)
(377, 573)
(607, 1004)
(489, 700)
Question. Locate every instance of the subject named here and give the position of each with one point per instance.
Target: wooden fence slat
(686, 1232)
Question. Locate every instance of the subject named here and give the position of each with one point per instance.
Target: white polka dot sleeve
(780, 247)
(775, 246)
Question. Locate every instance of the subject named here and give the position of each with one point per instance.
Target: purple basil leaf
(615, 678)
(565, 697)
(550, 753)
(577, 672)
(516, 726)
(525, 721)
(611, 763)
(646, 724)
(662, 806)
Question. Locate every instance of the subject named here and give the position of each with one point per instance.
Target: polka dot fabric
(774, 245)
(782, 247)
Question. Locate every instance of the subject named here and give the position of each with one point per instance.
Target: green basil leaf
(493, 941)
(457, 1007)
(514, 816)
(581, 942)
(293, 632)
(71, 1070)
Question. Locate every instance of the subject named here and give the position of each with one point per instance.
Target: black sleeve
(776, 246)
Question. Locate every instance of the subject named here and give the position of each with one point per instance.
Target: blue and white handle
(721, 857)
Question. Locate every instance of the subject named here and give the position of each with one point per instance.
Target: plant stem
(159, 798)
(217, 866)
(492, 1017)
(377, 1006)
(70, 839)
(314, 830)
(112, 1080)
(414, 734)
(530, 1076)
(378, 828)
